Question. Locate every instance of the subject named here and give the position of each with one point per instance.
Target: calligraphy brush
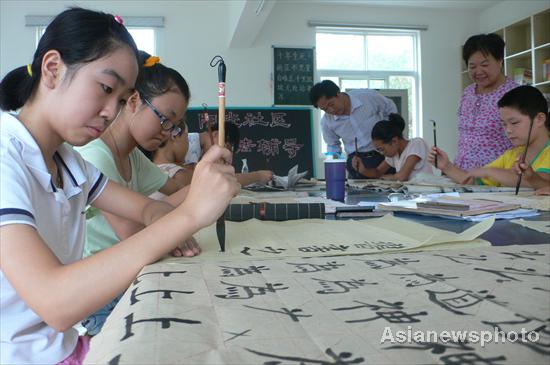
(220, 224)
(435, 142)
(524, 156)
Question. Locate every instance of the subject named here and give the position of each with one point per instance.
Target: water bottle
(244, 170)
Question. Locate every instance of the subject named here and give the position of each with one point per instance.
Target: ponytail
(155, 79)
(16, 88)
(385, 130)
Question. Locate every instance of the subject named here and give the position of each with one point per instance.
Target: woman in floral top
(481, 136)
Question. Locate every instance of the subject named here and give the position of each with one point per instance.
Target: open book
(289, 181)
(280, 182)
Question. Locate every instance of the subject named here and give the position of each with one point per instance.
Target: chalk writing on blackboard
(293, 75)
(270, 138)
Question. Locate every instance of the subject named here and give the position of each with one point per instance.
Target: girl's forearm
(112, 270)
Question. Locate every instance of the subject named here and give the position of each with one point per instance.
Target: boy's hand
(442, 158)
(520, 167)
(213, 186)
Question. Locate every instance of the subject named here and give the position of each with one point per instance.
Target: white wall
(508, 12)
(440, 51)
(187, 44)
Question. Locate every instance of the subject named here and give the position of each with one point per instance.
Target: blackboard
(292, 75)
(270, 138)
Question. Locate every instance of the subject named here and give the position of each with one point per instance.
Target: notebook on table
(448, 206)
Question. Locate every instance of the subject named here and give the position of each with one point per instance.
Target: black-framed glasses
(165, 123)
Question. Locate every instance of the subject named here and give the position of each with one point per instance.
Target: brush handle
(524, 155)
(435, 142)
(221, 101)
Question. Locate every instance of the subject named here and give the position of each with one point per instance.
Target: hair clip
(119, 19)
(151, 61)
(29, 69)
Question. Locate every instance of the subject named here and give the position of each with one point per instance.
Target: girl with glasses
(152, 114)
(408, 157)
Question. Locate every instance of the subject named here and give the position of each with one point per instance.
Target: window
(375, 59)
(144, 38)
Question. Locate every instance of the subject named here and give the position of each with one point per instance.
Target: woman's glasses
(165, 123)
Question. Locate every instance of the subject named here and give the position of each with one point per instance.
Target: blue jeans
(95, 322)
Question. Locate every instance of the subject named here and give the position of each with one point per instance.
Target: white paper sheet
(255, 239)
(335, 310)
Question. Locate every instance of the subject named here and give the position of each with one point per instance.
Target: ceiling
(435, 4)
(252, 14)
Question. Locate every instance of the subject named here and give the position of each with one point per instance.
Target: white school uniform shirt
(367, 108)
(415, 147)
(28, 196)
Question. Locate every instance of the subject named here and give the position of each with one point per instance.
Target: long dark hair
(80, 36)
(385, 130)
(158, 79)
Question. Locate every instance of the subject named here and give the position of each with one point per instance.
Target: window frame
(368, 74)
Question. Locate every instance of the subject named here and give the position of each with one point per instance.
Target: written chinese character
(510, 272)
(252, 119)
(166, 294)
(164, 274)
(525, 255)
(268, 147)
(379, 245)
(526, 325)
(235, 291)
(419, 279)
(390, 312)
(246, 145)
(343, 358)
(340, 286)
(278, 120)
(267, 249)
(240, 271)
(291, 146)
(470, 358)
(385, 263)
(326, 248)
(456, 300)
(463, 257)
(308, 267)
(292, 313)
(164, 321)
